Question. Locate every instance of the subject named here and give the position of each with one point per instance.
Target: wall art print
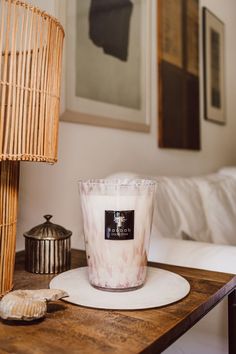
(108, 63)
(178, 74)
(214, 68)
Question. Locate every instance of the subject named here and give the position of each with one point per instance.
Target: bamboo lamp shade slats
(30, 70)
(31, 45)
(9, 185)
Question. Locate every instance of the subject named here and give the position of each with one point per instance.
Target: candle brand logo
(119, 219)
(119, 225)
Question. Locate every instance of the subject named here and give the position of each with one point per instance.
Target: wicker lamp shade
(31, 45)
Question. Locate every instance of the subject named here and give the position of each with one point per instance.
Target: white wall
(87, 151)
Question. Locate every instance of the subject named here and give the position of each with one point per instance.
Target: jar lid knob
(47, 217)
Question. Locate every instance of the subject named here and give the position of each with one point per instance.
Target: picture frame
(101, 89)
(178, 74)
(214, 68)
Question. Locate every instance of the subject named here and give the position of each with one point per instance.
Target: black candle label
(119, 225)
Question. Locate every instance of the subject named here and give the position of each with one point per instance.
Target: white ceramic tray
(161, 288)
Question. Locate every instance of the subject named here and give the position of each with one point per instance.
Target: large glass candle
(117, 218)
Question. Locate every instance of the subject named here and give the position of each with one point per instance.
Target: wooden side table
(74, 329)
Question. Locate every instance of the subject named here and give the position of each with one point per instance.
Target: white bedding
(197, 208)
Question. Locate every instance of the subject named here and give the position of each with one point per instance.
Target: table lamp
(31, 45)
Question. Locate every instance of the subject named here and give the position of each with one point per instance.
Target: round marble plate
(161, 288)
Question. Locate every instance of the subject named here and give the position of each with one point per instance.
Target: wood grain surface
(74, 329)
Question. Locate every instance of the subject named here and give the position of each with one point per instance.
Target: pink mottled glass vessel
(117, 217)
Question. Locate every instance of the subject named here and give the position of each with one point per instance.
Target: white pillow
(228, 171)
(123, 175)
(219, 201)
(179, 211)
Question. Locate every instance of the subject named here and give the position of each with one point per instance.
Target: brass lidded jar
(47, 248)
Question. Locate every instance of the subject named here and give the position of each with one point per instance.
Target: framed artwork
(178, 74)
(108, 60)
(214, 68)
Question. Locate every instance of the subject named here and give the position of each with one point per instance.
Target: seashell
(28, 305)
